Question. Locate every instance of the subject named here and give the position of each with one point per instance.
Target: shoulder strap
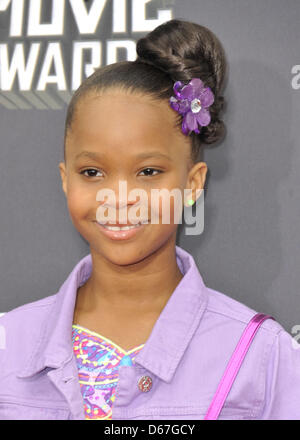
(233, 365)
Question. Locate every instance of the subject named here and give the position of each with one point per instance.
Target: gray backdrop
(249, 249)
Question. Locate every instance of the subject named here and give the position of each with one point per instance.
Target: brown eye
(90, 170)
(151, 169)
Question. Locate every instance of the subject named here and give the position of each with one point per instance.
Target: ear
(196, 181)
(63, 175)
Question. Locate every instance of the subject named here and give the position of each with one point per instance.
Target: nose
(118, 200)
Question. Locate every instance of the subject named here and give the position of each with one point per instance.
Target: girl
(134, 333)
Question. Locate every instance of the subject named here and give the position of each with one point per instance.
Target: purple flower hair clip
(192, 101)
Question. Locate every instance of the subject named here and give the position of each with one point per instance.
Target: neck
(145, 285)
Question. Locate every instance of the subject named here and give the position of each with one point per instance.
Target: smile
(121, 232)
(123, 228)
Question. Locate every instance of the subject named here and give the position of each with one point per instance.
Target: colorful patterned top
(98, 360)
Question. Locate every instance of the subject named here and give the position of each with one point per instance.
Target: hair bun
(184, 50)
(216, 130)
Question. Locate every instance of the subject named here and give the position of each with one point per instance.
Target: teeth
(123, 228)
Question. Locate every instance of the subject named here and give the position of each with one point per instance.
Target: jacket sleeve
(282, 392)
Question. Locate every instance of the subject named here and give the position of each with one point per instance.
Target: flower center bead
(196, 105)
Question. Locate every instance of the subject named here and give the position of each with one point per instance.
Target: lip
(120, 235)
(120, 225)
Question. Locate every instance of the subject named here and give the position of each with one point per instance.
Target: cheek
(80, 202)
(167, 207)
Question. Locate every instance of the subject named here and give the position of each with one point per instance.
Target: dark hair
(176, 50)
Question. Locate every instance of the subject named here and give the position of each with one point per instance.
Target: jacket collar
(167, 342)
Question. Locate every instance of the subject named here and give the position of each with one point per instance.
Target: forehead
(114, 120)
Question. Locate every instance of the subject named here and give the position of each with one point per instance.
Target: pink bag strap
(233, 365)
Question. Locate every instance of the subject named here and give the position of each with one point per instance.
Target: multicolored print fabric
(98, 360)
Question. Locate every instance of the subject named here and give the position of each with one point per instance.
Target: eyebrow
(150, 154)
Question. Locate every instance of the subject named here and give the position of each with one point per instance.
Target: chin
(121, 254)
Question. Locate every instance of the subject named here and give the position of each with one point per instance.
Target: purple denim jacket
(185, 356)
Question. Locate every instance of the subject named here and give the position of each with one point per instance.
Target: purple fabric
(185, 355)
(234, 365)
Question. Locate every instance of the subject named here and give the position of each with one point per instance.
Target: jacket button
(145, 383)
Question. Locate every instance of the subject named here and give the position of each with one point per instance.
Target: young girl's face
(122, 136)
